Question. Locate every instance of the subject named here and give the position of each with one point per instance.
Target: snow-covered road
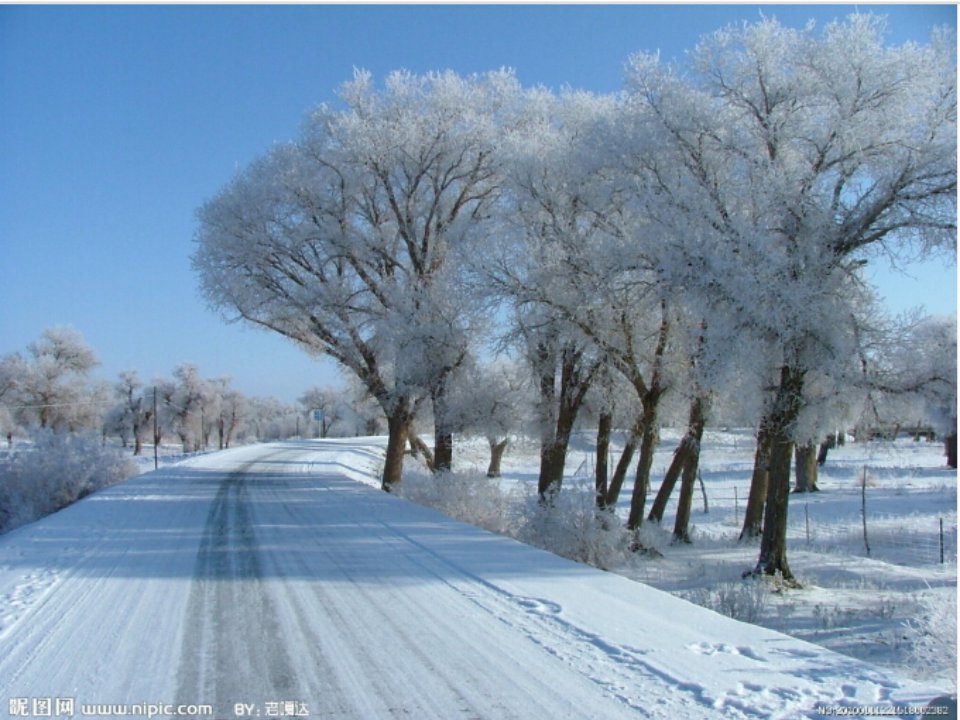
(268, 580)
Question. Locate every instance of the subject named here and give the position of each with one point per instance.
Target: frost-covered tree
(792, 158)
(183, 403)
(909, 379)
(269, 419)
(934, 357)
(53, 388)
(226, 412)
(363, 414)
(132, 416)
(12, 373)
(585, 256)
(341, 241)
(333, 405)
(550, 220)
(492, 400)
(562, 365)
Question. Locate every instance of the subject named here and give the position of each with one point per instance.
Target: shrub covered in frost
(932, 637)
(56, 470)
(745, 600)
(571, 526)
(471, 497)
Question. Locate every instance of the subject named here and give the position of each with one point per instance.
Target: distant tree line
(50, 386)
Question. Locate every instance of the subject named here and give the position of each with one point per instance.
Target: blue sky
(117, 122)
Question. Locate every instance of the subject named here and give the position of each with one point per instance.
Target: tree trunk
(681, 527)
(496, 455)
(825, 447)
(231, 428)
(806, 460)
(773, 543)
(575, 379)
(691, 466)
(669, 482)
(604, 428)
(546, 362)
(648, 445)
(950, 446)
(649, 395)
(688, 450)
(419, 447)
(442, 451)
(626, 458)
(553, 454)
(951, 450)
(398, 426)
(442, 434)
(753, 516)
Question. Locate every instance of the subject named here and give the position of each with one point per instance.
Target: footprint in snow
(16, 602)
(538, 606)
(703, 648)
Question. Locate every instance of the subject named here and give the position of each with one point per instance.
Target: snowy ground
(853, 603)
(268, 580)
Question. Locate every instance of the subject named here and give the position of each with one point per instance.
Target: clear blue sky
(117, 122)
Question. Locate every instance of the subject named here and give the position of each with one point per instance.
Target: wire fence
(841, 520)
(900, 538)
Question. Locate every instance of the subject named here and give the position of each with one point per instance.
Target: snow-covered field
(879, 607)
(268, 580)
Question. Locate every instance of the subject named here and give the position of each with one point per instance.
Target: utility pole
(156, 431)
(863, 509)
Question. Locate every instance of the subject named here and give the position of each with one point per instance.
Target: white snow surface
(273, 574)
